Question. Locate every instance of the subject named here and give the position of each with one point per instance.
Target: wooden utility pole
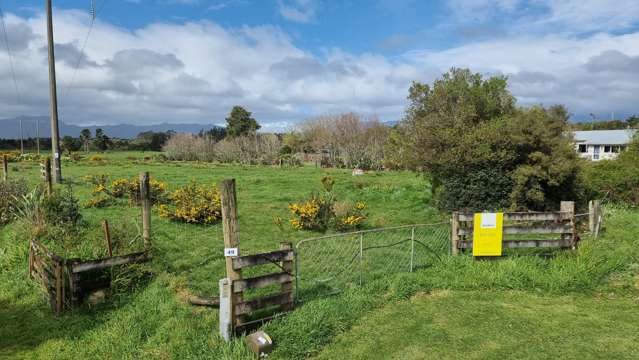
(55, 132)
(5, 168)
(21, 139)
(38, 135)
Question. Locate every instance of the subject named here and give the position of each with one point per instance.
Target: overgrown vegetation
(481, 151)
(322, 211)
(616, 180)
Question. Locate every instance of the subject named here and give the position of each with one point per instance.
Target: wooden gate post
(454, 236)
(145, 202)
(231, 241)
(568, 213)
(5, 168)
(287, 287)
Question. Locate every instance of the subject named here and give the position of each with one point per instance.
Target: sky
(190, 61)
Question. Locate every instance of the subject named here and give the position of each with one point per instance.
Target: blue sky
(191, 60)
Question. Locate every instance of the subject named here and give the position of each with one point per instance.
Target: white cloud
(302, 11)
(196, 71)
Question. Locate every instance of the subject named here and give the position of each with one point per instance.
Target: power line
(6, 42)
(94, 13)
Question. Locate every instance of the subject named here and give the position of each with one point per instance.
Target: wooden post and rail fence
(555, 229)
(63, 279)
(234, 309)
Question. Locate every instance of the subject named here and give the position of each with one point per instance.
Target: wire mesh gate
(329, 264)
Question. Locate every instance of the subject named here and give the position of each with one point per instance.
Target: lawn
(153, 320)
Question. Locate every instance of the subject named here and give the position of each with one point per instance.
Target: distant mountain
(10, 128)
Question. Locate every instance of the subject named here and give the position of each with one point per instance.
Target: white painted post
(226, 328)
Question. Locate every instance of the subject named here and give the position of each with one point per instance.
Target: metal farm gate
(329, 264)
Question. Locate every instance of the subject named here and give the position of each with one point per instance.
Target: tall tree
(101, 140)
(239, 122)
(85, 138)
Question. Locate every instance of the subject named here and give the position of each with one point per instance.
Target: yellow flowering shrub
(12, 156)
(99, 201)
(350, 216)
(321, 211)
(193, 204)
(96, 158)
(131, 189)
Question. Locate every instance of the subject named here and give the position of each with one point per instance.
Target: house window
(607, 148)
(583, 148)
(622, 148)
(615, 148)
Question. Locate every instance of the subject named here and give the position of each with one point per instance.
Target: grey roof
(604, 137)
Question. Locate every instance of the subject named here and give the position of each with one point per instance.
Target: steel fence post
(412, 248)
(297, 274)
(361, 256)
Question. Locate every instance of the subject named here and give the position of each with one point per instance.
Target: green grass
(494, 325)
(154, 321)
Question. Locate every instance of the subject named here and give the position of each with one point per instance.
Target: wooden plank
(516, 244)
(261, 259)
(261, 281)
(524, 216)
(78, 267)
(243, 326)
(246, 307)
(539, 229)
(39, 248)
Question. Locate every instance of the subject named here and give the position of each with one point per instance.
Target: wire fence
(329, 264)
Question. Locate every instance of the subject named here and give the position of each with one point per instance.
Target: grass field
(456, 308)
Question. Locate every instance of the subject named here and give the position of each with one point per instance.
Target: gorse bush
(320, 211)
(193, 204)
(62, 208)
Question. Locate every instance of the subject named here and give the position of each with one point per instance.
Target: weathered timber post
(594, 210)
(5, 168)
(454, 236)
(59, 295)
(47, 175)
(231, 245)
(287, 267)
(568, 213)
(145, 202)
(107, 236)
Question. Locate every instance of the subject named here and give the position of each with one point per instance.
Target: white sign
(230, 252)
(488, 221)
(57, 155)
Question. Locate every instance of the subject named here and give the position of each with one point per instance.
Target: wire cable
(6, 42)
(94, 13)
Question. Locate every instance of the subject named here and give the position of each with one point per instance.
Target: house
(602, 144)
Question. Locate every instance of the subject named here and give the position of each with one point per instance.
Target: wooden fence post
(59, 294)
(568, 213)
(231, 241)
(287, 267)
(454, 238)
(594, 210)
(5, 168)
(145, 202)
(107, 236)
